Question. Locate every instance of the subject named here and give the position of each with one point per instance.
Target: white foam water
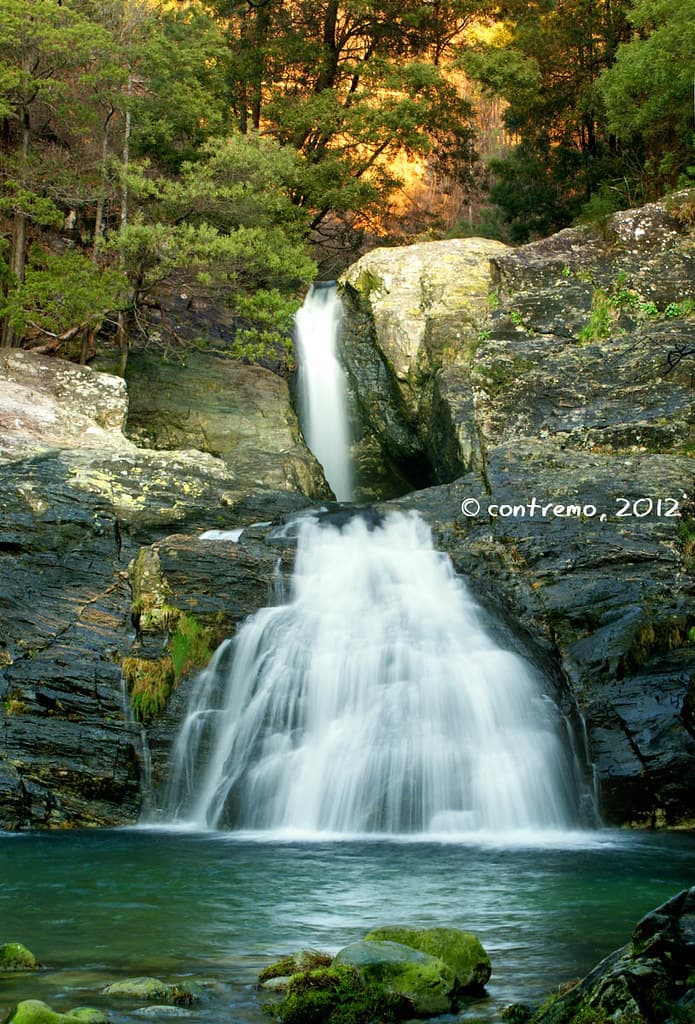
(373, 701)
(323, 412)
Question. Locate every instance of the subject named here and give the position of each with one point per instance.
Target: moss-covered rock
(339, 995)
(461, 951)
(151, 988)
(189, 643)
(88, 1015)
(303, 960)
(425, 980)
(33, 1011)
(16, 957)
(651, 980)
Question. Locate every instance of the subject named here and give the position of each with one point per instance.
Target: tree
(648, 92)
(45, 50)
(547, 65)
(226, 226)
(350, 85)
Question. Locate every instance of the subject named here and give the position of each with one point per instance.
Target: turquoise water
(215, 907)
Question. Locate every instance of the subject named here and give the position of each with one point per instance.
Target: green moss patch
(459, 950)
(149, 685)
(189, 645)
(304, 960)
(338, 995)
(425, 980)
(152, 989)
(16, 957)
(33, 1011)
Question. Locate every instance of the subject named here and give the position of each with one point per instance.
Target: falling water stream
(372, 701)
(323, 411)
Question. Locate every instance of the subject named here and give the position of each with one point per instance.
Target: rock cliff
(78, 500)
(565, 416)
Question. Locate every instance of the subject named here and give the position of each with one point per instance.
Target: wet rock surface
(78, 500)
(241, 414)
(648, 980)
(573, 390)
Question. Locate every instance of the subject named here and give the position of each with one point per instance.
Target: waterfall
(323, 414)
(372, 701)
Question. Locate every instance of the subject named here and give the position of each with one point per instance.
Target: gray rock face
(241, 414)
(567, 392)
(412, 312)
(78, 500)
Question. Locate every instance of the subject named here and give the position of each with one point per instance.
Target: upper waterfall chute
(323, 411)
(373, 701)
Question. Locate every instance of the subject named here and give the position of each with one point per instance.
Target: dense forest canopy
(230, 148)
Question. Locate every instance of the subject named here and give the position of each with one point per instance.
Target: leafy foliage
(206, 145)
(62, 291)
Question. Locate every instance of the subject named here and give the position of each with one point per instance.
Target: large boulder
(242, 414)
(648, 981)
(410, 310)
(409, 288)
(462, 951)
(427, 982)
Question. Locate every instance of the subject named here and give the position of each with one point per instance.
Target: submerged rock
(461, 951)
(425, 980)
(151, 988)
(162, 1011)
(16, 957)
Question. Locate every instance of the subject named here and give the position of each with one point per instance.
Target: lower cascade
(372, 701)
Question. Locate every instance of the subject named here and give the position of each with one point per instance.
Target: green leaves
(63, 292)
(648, 92)
(227, 226)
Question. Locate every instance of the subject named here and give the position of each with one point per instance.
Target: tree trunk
(123, 320)
(101, 202)
(18, 252)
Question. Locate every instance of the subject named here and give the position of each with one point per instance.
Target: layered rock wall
(570, 392)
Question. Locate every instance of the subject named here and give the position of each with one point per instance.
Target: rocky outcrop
(241, 414)
(78, 500)
(648, 981)
(553, 391)
(410, 312)
(565, 415)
